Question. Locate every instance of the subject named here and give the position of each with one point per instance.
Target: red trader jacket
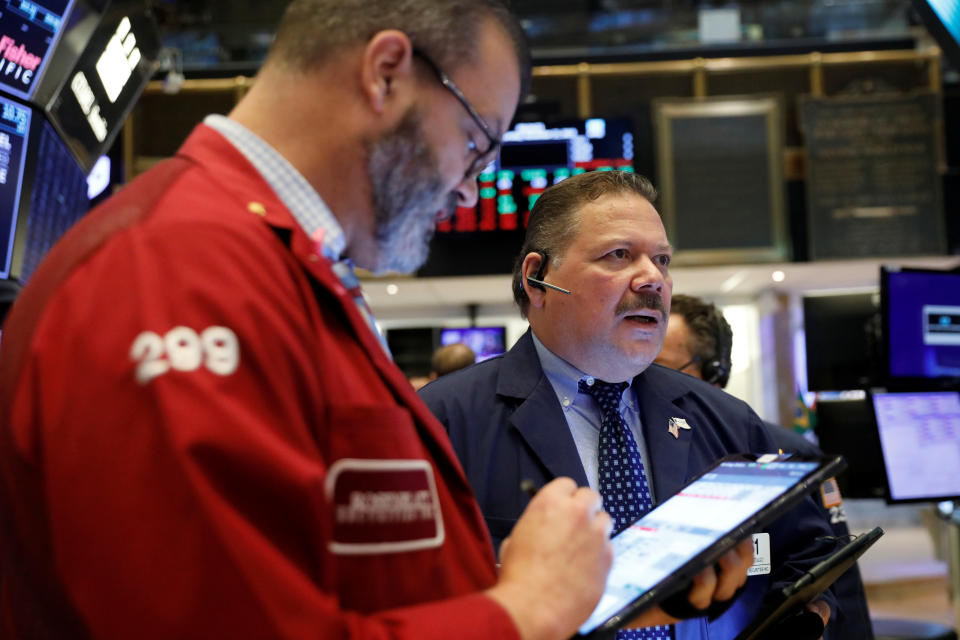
(200, 438)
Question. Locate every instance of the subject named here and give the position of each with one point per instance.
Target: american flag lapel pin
(674, 426)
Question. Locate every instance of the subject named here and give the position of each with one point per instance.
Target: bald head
(452, 357)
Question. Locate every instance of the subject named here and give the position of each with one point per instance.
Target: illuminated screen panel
(921, 316)
(534, 155)
(28, 33)
(14, 131)
(486, 342)
(105, 82)
(942, 18)
(920, 437)
(57, 199)
(949, 13)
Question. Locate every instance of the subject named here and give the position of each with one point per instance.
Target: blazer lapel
(668, 454)
(539, 417)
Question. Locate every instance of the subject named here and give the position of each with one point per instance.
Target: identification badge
(383, 506)
(761, 555)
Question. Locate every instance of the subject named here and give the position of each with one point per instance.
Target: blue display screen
(14, 130)
(28, 33)
(923, 324)
(949, 13)
(486, 342)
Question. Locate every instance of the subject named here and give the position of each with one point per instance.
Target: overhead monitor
(15, 120)
(942, 18)
(845, 425)
(53, 199)
(29, 32)
(486, 238)
(841, 335)
(535, 155)
(486, 342)
(920, 439)
(102, 79)
(921, 327)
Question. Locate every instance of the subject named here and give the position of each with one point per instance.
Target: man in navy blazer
(604, 314)
(699, 342)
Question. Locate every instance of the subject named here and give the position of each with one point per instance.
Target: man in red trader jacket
(201, 435)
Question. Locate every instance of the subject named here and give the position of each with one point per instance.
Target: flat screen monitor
(485, 239)
(942, 18)
(412, 348)
(54, 199)
(103, 80)
(846, 426)
(920, 439)
(15, 120)
(486, 342)
(921, 328)
(840, 333)
(29, 31)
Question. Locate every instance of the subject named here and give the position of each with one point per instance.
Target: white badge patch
(761, 555)
(383, 506)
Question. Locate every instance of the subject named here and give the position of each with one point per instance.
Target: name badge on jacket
(383, 506)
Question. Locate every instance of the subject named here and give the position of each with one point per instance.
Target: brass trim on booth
(701, 68)
(239, 85)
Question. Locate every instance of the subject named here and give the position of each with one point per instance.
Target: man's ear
(530, 268)
(387, 64)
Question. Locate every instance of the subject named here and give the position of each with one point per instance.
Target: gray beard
(407, 195)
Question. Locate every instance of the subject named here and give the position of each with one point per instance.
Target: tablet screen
(703, 512)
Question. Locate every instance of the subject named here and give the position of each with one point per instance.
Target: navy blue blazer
(853, 619)
(506, 425)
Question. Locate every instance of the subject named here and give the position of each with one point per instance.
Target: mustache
(642, 300)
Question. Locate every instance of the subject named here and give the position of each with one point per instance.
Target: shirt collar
(296, 193)
(565, 378)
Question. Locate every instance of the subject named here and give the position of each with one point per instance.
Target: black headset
(716, 369)
(536, 280)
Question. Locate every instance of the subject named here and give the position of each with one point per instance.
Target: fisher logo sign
(18, 64)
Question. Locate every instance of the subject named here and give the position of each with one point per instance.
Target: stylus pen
(529, 487)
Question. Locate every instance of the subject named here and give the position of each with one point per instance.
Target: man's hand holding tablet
(713, 584)
(556, 561)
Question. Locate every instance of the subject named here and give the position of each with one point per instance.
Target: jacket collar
(538, 417)
(659, 404)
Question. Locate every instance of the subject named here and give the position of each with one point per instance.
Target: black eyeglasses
(481, 158)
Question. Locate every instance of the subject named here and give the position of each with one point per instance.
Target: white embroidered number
(147, 349)
(181, 349)
(223, 351)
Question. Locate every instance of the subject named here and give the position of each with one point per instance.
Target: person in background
(578, 394)
(201, 433)
(446, 359)
(699, 342)
(450, 358)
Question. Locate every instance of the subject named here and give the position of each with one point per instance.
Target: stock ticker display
(534, 155)
(14, 131)
(28, 32)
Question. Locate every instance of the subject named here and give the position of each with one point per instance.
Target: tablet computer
(663, 550)
(811, 584)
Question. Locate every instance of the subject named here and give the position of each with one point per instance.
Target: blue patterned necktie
(622, 481)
